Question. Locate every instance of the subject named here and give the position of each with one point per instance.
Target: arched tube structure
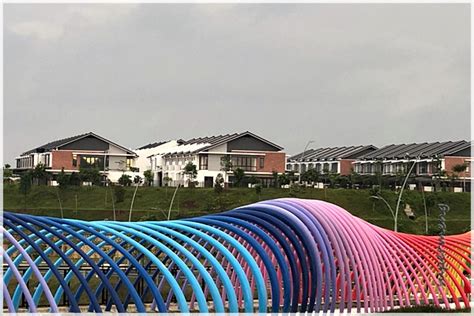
(283, 255)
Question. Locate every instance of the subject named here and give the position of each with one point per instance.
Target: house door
(159, 179)
(208, 181)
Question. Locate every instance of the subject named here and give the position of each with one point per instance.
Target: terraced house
(328, 159)
(87, 150)
(255, 155)
(427, 159)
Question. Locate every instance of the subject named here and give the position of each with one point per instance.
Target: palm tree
(239, 175)
(226, 166)
(457, 170)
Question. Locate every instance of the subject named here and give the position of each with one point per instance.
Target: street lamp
(302, 158)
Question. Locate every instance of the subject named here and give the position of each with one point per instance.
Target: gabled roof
(331, 153)
(415, 150)
(61, 142)
(214, 141)
(152, 145)
(199, 144)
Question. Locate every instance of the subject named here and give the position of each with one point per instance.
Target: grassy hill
(95, 203)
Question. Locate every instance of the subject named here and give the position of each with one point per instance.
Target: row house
(255, 155)
(87, 150)
(328, 159)
(428, 159)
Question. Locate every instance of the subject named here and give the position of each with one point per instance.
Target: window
(89, 161)
(377, 167)
(334, 167)
(245, 163)
(387, 168)
(129, 162)
(423, 167)
(74, 160)
(203, 162)
(318, 167)
(325, 167)
(262, 162)
(303, 167)
(25, 162)
(47, 160)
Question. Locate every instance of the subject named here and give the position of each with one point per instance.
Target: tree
(63, 179)
(190, 170)
(218, 184)
(91, 175)
(7, 172)
(457, 170)
(284, 179)
(342, 181)
(311, 175)
(354, 178)
(148, 175)
(276, 183)
(253, 179)
(226, 166)
(292, 176)
(137, 180)
(239, 175)
(74, 179)
(167, 180)
(125, 180)
(39, 174)
(333, 179)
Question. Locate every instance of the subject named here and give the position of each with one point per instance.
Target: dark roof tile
(415, 150)
(331, 153)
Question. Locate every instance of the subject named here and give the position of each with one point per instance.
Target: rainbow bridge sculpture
(283, 255)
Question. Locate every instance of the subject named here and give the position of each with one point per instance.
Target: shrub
(148, 175)
(63, 179)
(218, 184)
(74, 179)
(239, 175)
(125, 180)
(91, 175)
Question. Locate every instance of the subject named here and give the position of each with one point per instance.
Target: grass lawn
(95, 203)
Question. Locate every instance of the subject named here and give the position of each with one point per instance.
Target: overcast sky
(338, 74)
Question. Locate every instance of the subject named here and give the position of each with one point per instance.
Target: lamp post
(403, 186)
(302, 158)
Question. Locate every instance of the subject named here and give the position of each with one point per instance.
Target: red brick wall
(346, 166)
(62, 159)
(450, 162)
(274, 161)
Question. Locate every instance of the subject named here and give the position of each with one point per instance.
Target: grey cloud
(338, 74)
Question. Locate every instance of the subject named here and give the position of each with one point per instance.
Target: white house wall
(219, 149)
(114, 163)
(214, 162)
(115, 150)
(143, 162)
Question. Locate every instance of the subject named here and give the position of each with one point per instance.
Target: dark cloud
(337, 74)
